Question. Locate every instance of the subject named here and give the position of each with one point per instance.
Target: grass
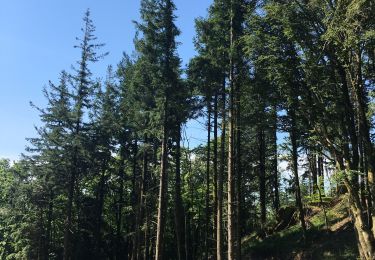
(338, 242)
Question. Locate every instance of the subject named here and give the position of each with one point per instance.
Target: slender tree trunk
(187, 237)
(349, 118)
(120, 203)
(215, 160)
(220, 182)
(262, 177)
(163, 199)
(365, 237)
(367, 195)
(189, 224)
(148, 243)
(49, 226)
(231, 143)
(178, 207)
(238, 169)
(231, 174)
(69, 212)
(41, 238)
(313, 169)
(100, 200)
(321, 175)
(364, 128)
(275, 163)
(314, 172)
(135, 199)
(293, 138)
(143, 211)
(208, 163)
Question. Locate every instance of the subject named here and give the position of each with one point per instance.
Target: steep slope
(336, 242)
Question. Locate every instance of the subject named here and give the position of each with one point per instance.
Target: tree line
(110, 176)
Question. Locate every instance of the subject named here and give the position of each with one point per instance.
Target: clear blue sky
(37, 39)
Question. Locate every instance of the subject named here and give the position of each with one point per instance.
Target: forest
(285, 90)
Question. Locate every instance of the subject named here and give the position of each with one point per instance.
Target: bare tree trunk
(163, 199)
(120, 203)
(321, 175)
(208, 163)
(262, 177)
(364, 127)
(100, 200)
(314, 171)
(69, 212)
(148, 243)
(143, 208)
(293, 138)
(179, 208)
(364, 234)
(215, 182)
(238, 169)
(232, 239)
(219, 215)
(275, 163)
(49, 225)
(135, 200)
(231, 174)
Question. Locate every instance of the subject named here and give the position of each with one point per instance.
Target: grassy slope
(338, 242)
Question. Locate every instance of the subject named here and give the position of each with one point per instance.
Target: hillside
(336, 242)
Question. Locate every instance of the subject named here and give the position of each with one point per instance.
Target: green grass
(319, 244)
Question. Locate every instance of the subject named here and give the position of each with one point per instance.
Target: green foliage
(304, 69)
(320, 243)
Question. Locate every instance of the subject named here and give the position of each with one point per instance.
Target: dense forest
(111, 174)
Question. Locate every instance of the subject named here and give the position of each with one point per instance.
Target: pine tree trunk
(293, 138)
(142, 199)
(179, 208)
(262, 177)
(120, 203)
(135, 198)
(163, 199)
(232, 239)
(231, 175)
(49, 226)
(148, 243)
(99, 213)
(238, 170)
(321, 175)
(220, 183)
(208, 163)
(275, 178)
(364, 127)
(215, 181)
(69, 212)
(313, 171)
(365, 237)
(349, 118)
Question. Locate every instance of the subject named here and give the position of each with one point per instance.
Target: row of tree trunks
(352, 155)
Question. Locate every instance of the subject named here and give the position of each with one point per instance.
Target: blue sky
(37, 39)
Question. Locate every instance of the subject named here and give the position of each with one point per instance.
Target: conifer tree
(82, 100)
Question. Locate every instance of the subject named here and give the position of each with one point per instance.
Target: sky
(36, 44)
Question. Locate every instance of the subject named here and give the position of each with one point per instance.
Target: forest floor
(338, 241)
